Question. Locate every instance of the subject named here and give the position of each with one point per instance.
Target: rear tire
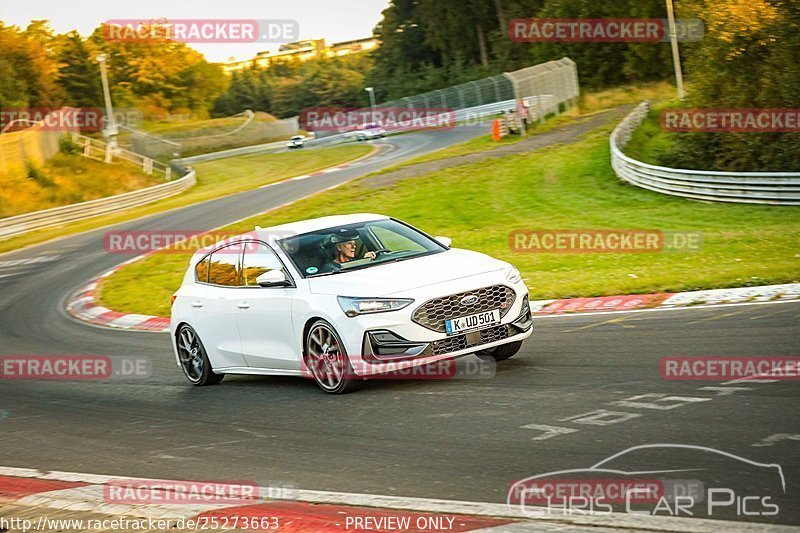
(194, 359)
(502, 352)
(325, 357)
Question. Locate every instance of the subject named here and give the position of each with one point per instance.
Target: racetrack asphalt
(449, 439)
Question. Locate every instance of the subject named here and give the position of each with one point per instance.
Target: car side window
(201, 270)
(394, 241)
(258, 258)
(223, 266)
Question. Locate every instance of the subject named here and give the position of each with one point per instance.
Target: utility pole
(371, 91)
(111, 125)
(676, 58)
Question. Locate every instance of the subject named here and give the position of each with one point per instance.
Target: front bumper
(402, 338)
(385, 345)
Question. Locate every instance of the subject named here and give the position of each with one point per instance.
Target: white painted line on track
(17, 263)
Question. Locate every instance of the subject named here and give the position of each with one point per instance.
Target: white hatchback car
(296, 142)
(340, 299)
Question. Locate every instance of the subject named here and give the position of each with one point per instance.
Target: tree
(79, 73)
(159, 75)
(603, 64)
(12, 89)
(249, 89)
(747, 59)
(329, 83)
(28, 65)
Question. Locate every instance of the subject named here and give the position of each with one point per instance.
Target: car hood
(392, 278)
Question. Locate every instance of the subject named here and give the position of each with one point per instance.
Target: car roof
(272, 233)
(314, 224)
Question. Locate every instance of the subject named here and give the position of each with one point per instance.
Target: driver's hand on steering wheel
(371, 255)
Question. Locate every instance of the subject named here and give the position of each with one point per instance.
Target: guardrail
(775, 188)
(98, 150)
(233, 152)
(57, 216)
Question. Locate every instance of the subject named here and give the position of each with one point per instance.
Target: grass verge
(67, 179)
(562, 187)
(214, 179)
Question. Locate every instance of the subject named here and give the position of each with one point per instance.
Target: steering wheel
(380, 251)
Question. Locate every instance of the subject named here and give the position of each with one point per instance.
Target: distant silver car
(371, 130)
(296, 142)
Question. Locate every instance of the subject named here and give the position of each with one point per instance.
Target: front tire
(194, 359)
(502, 352)
(326, 359)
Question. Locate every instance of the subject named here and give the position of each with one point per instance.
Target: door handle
(197, 303)
(243, 305)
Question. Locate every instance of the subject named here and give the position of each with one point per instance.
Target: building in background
(303, 51)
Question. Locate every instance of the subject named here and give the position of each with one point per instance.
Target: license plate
(470, 322)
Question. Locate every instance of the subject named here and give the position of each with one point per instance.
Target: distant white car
(342, 298)
(369, 131)
(296, 142)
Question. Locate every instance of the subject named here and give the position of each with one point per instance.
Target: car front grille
(460, 342)
(433, 313)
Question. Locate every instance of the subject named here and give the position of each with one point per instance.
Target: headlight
(513, 275)
(360, 306)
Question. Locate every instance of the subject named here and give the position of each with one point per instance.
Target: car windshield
(356, 246)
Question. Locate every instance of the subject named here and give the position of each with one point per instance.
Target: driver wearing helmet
(344, 250)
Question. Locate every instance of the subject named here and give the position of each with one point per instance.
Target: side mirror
(444, 241)
(273, 278)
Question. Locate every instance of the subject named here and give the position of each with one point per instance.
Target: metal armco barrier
(57, 216)
(233, 152)
(776, 188)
